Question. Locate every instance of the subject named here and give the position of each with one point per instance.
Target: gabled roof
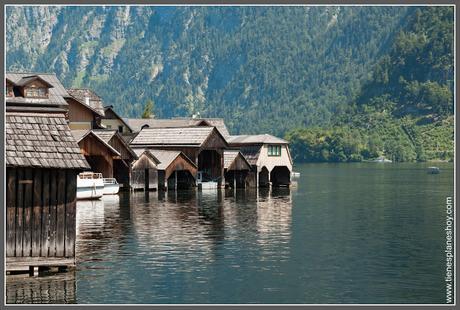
(56, 93)
(182, 136)
(41, 140)
(164, 157)
(110, 108)
(87, 106)
(256, 139)
(107, 135)
(28, 79)
(80, 94)
(82, 134)
(231, 155)
(251, 153)
(137, 123)
(139, 153)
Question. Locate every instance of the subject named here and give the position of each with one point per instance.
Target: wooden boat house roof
(137, 124)
(234, 160)
(56, 91)
(182, 136)
(88, 97)
(41, 140)
(256, 139)
(108, 135)
(82, 134)
(167, 157)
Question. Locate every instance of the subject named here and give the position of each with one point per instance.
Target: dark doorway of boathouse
(236, 178)
(181, 179)
(121, 172)
(210, 163)
(146, 179)
(100, 164)
(280, 176)
(263, 177)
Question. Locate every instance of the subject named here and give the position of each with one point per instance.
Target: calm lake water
(347, 233)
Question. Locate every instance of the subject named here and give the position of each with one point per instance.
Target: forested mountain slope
(263, 69)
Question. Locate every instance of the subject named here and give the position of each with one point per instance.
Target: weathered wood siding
(180, 163)
(138, 179)
(98, 155)
(40, 213)
(79, 113)
(122, 148)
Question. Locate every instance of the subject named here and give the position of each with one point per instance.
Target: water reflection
(52, 288)
(346, 234)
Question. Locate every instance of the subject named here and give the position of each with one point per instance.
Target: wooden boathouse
(163, 170)
(121, 165)
(204, 146)
(175, 170)
(269, 157)
(99, 154)
(42, 163)
(236, 168)
(144, 174)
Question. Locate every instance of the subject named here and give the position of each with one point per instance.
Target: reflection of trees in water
(53, 289)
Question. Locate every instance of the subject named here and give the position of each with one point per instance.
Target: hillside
(251, 65)
(404, 110)
(263, 69)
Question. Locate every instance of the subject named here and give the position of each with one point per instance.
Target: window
(120, 129)
(274, 150)
(36, 92)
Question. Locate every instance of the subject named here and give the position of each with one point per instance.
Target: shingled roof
(183, 136)
(79, 135)
(256, 139)
(251, 153)
(163, 157)
(136, 124)
(94, 101)
(56, 93)
(107, 135)
(41, 140)
(231, 155)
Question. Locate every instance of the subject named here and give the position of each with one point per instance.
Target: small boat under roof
(111, 186)
(90, 185)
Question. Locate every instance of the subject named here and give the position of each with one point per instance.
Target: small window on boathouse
(274, 150)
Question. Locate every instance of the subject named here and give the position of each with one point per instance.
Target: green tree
(148, 110)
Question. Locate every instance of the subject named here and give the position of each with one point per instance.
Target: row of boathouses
(54, 133)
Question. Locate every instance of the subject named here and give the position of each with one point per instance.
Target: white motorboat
(295, 175)
(433, 170)
(205, 183)
(111, 186)
(90, 185)
(382, 159)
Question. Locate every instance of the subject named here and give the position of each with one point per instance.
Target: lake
(345, 233)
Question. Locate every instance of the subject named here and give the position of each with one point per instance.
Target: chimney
(87, 101)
